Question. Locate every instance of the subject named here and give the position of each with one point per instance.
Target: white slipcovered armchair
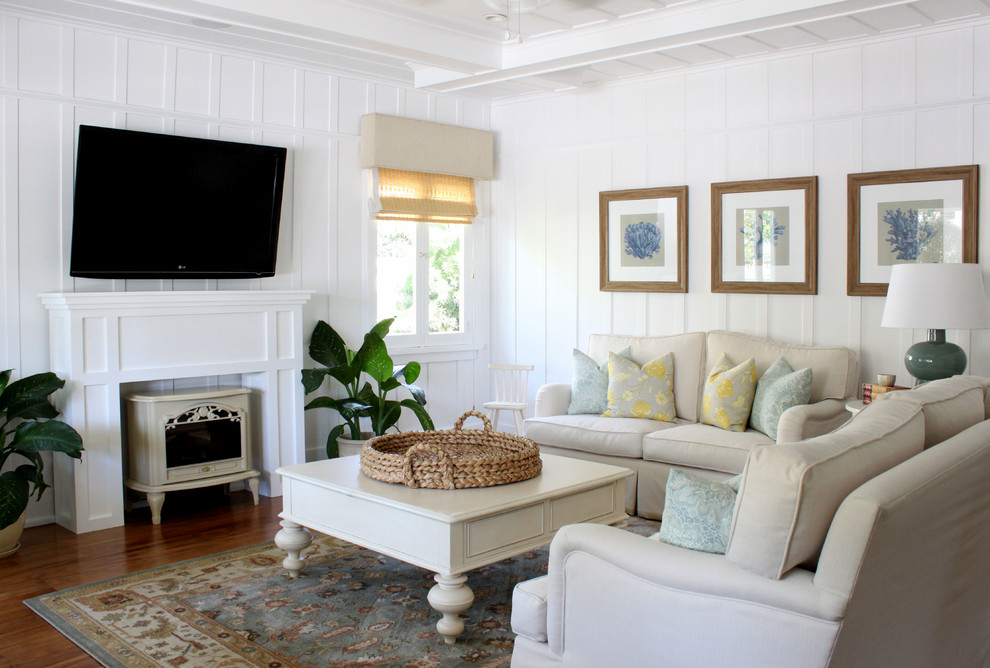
(902, 579)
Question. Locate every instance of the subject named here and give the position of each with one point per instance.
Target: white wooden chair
(511, 382)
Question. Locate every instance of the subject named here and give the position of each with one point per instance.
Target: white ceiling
(543, 45)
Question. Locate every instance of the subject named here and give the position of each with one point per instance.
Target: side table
(855, 406)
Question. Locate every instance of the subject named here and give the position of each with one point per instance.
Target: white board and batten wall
(887, 103)
(920, 100)
(58, 73)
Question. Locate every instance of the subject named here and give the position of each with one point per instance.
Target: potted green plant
(348, 367)
(27, 429)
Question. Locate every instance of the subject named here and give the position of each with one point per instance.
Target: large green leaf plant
(349, 367)
(27, 429)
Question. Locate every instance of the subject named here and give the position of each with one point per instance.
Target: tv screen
(159, 206)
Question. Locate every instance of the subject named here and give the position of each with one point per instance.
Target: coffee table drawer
(502, 530)
(582, 507)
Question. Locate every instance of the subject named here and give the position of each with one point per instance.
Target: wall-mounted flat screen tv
(160, 206)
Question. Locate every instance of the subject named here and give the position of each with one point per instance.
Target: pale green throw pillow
(728, 395)
(589, 384)
(697, 513)
(646, 392)
(778, 389)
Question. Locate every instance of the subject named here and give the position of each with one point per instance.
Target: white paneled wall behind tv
(906, 101)
(56, 74)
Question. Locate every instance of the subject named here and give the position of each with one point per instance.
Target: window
(423, 243)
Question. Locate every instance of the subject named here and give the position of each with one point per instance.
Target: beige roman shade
(424, 197)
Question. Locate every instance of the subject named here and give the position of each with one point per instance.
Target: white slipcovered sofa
(651, 448)
(856, 548)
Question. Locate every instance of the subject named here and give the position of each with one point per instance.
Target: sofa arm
(693, 608)
(529, 609)
(552, 399)
(800, 422)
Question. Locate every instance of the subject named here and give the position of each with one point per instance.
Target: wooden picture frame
(643, 240)
(765, 236)
(909, 215)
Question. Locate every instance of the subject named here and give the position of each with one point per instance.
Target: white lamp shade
(936, 296)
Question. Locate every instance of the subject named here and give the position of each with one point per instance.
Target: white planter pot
(348, 447)
(10, 537)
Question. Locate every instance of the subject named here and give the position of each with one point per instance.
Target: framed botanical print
(643, 240)
(907, 216)
(765, 236)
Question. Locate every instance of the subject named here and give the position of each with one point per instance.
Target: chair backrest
(511, 381)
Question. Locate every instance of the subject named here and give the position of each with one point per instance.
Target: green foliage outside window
(445, 261)
(445, 281)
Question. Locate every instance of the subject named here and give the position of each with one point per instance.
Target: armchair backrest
(950, 405)
(791, 492)
(909, 548)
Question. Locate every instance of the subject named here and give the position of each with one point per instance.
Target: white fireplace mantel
(103, 340)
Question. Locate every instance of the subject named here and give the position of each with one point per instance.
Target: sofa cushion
(689, 356)
(621, 437)
(779, 388)
(646, 392)
(835, 369)
(589, 383)
(790, 492)
(697, 513)
(951, 405)
(703, 447)
(728, 395)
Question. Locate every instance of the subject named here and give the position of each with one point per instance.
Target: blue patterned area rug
(352, 607)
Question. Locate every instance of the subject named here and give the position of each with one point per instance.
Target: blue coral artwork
(642, 240)
(763, 236)
(911, 231)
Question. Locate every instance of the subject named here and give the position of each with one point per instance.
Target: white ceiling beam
(692, 24)
(688, 19)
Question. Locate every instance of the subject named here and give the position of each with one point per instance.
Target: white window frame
(423, 340)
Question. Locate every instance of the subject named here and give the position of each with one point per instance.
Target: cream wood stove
(186, 440)
(101, 341)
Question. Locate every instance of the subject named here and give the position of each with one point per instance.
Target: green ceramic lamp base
(935, 358)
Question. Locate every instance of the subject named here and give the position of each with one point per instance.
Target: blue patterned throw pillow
(697, 513)
(778, 389)
(589, 384)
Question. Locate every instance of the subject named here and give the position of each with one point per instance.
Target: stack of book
(872, 390)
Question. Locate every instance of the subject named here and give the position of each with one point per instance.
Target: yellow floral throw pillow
(641, 393)
(729, 393)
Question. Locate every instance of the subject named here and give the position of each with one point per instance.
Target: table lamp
(936, 297)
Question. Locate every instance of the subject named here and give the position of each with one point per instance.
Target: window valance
(425, 146)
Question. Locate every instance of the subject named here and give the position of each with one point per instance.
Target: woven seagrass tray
(451, 458)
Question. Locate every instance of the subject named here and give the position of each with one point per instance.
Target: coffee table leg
(293, 538)
(450, 596)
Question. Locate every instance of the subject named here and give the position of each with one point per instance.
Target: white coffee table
(448, 532)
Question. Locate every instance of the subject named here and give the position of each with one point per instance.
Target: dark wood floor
(194, 524)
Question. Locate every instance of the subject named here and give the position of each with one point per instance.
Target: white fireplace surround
(102, 340)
